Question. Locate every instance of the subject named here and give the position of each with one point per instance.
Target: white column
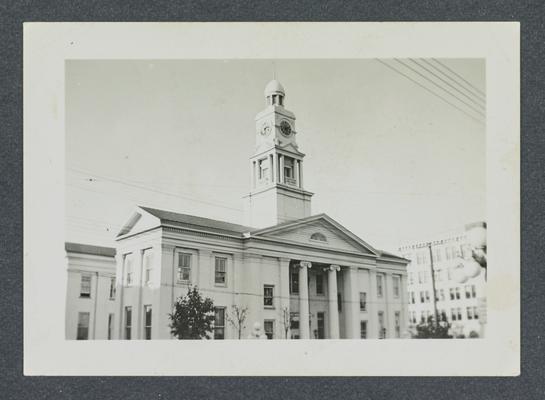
(296, 172)
(301, 174)
(272, 168)
(332, 301)
(253, 177)
(352, 303)
(163, 302)
(137, 328)
(304, 326)
(372, 316)
(389, 306)
(120, 274)
(281, 172)
(284, 271)
(404, 301)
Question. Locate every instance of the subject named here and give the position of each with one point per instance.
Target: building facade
(460, 303)
(90, 295)
(300, 276)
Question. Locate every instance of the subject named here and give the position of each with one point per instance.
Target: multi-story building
(90, 295)
(458, 303)
(299, 275)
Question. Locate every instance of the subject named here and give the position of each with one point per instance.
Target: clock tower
(277, 193)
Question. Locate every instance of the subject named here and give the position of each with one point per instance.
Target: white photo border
(46, 48)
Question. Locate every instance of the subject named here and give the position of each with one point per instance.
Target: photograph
(321, 200)
(159, 153)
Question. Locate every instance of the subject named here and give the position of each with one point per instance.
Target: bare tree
(286, 321)
(237, 317)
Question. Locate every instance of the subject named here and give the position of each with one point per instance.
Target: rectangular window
(321, 325)
(268, 296)
(449, 273)
(112, 288)
(453, 314)
(294, 282)
(422, 276)
(475, 313)
(219, 323)
(319, 284)
(379, 285)
(451, 293)
(469, 311)
(83, 326)
(363, 329)
(184, 267)
(411, 278)
(264, 175)
(457, 293)
(128, 322)
(147, 322)
(473, 291)
(129, 273)
(110, 326)
(268, 327)
(397, 318)
(438, 275)
(85, 286)
(422, 317)
(427, 296)
(363, 301)
(396, 280)
(441, 294)
(437, 255)
(422, 299)
(381, 328)
(459, 310)
(294, 320)
(412, 297)
(148, 266)
(220, 271)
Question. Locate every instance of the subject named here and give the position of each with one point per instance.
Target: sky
(386, 158)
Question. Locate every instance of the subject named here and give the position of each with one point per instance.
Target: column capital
(333, 267)
(305, 264)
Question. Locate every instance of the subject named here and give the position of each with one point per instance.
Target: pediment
(292, 148)
(320, 231)
(139, 221)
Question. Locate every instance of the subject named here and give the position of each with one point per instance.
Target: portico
(313, 300)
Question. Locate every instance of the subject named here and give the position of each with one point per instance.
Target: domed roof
(274, 87)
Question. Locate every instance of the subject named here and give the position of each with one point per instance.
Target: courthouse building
(299, 275)
(462, 304)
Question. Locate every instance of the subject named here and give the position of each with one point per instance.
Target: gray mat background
(530, 385)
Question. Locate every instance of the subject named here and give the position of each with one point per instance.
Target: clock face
(265, 129)
(285, 128)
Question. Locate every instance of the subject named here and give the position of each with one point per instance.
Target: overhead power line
(441, 87)
(121, 182)
(449, 76)
(477, 90)
(479, 120)
(475, 100)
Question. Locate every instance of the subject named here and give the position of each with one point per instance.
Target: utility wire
(153, 190)
(449, 76)
(430, 91)
(441, 87)
(477, 103)
(480, 92)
